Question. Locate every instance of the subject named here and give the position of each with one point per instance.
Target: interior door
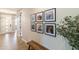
(6, 23)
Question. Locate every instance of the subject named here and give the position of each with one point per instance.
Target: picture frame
(39, 27)
(50, 29)
(50, 15)
(39, 16)
(33, 17)
(33, 26)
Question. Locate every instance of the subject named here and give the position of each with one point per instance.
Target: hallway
(37, 24)
(9, 41)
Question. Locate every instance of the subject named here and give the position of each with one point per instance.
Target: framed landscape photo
(39, 16)
(39, 27)
(33, 26)
(50, 29)
(50, 15)
(33, 18)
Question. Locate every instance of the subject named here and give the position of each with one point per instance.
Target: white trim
(24, 40)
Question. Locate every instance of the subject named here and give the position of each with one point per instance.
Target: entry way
(7, 23)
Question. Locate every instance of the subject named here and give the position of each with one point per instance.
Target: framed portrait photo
(33, 26)
(39, 16)
(39, 27)
(50, 15)
(33, 18)
(50, 29)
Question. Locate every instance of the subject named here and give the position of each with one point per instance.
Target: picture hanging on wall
(44, 22)
(33, 17)
(50, 15)
(39, 16)
(33, 26)
(50, 29)
(39, 27)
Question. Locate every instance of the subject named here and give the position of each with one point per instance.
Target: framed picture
(39, 16)
(50, 29)
(33, 18)
(50, 15)
(33, 26)
(39, 27)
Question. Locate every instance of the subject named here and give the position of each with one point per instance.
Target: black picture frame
(33, 26)
(33, 17)
(50, 29)
(39, 27)
(39, 17)
(50, 15)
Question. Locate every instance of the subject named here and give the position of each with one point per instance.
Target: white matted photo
(39, 16)
(33, 26)
(50, 29)
(50, 15)
(39, 27)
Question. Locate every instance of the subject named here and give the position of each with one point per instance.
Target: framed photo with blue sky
(33, 18)
(50, 15)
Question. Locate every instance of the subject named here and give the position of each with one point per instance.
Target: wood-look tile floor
(10, 42)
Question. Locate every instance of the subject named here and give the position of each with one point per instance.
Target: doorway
(7, 23)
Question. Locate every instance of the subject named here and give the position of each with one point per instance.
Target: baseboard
(24, 40)
(18, 37)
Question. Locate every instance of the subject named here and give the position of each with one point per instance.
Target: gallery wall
(54, 43)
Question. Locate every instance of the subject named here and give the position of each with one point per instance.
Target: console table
(35, 46)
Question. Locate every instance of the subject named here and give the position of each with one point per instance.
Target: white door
(6, 23)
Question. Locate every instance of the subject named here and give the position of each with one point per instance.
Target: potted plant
(70, 30)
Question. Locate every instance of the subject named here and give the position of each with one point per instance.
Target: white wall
(26, 26)
(55, 43)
